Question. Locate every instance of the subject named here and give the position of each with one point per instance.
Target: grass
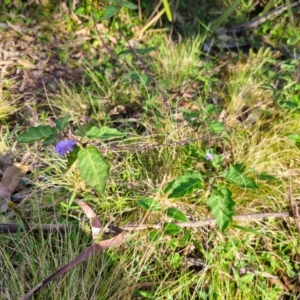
(256, 261)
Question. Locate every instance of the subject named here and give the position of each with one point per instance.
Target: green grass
(255, 263)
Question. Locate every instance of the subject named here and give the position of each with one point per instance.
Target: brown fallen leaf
(16, 28)
(189, 105)
(94, 221)
(10, 180)
(25, 63)
(27, 38)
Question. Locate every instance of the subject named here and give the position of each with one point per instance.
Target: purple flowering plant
(209, 156)
(64, 146)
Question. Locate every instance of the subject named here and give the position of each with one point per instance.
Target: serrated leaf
(239, 179)
(109, 11)
(104, 133)
(37, 134)
(221, 205)
(172, 229)
(176, 214)
(184, 185)
(149, 204)
(216, 127)
(62, 123)
(93, 168)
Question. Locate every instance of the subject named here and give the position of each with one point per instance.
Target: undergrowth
(161, 138)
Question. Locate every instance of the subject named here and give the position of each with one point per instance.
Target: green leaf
(62, 123)
(192, 117)
(293, 40)
(285, 104)
(239, 179)
(133, 75)
(80, 10)
(36, 134)
(93, 168)
(149, 204)
(176, 214)
(104, 133)
(83, 129)
(145, 50)
(184, 185)
(97, 15)
(72, 156)
(264, 176)
(50, 140)
(145, 79)
(221, 205)
(109, 11)
(240, 167)
(225, 15)
(168, 10)
(248, 278)
(128, 5)
(172, 229)
(294, 137)
(216, 127)
(174, 261)
(124, 52)
(155, 235)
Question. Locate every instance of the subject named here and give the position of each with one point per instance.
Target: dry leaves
(10, 180)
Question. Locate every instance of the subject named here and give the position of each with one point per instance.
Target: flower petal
(62, 147)
(208, 156)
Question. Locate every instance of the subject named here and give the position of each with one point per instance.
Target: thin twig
(208, 222)
(258, 21)
(13, 228)
(6, 228)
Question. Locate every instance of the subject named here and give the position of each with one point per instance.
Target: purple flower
(208, 156)
(62, 147)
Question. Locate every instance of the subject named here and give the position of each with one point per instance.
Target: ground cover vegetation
(149, 150)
